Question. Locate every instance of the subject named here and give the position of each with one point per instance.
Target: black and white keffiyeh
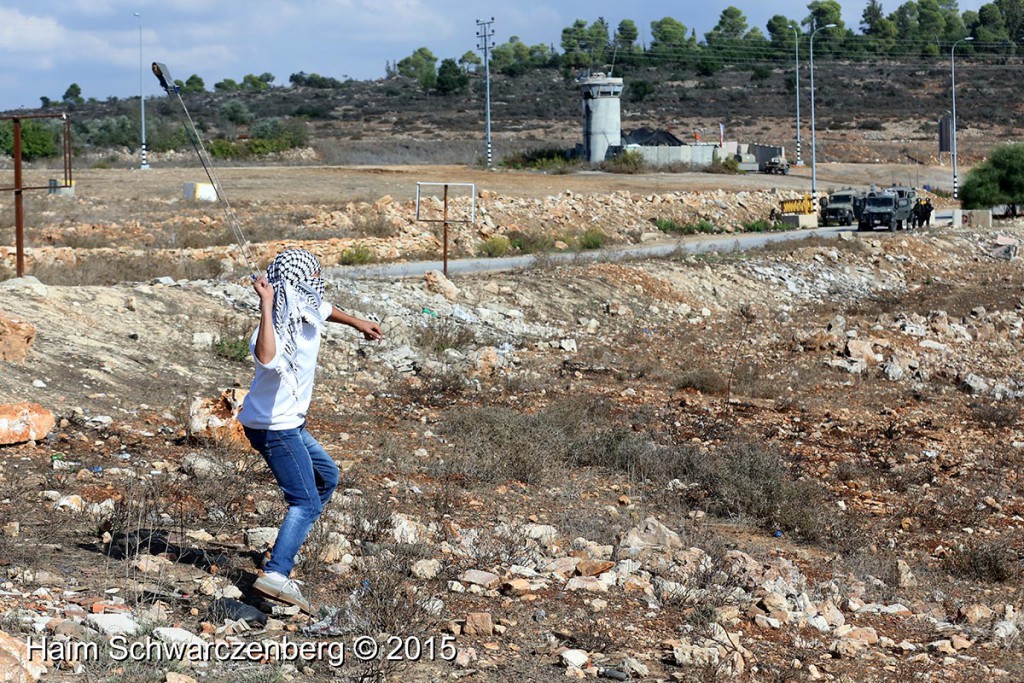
(297, 297)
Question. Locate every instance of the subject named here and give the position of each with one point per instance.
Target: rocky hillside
(793, 464)
(865, 112)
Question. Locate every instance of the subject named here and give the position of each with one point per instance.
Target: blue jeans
(307, 476)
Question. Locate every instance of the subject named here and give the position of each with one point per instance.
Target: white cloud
(27, 34)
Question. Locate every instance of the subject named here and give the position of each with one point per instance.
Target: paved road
(691, 245)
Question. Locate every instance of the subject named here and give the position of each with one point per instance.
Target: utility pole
(952, 68)
(796, 73)
(484, 33)
(142, 97)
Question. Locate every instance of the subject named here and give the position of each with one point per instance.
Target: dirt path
(343, 184)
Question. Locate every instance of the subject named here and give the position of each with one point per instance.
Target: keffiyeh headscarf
(297, 297)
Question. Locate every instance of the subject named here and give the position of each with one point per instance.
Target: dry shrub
(109, 269)
(621, 449)
(499, 546)
(371, 520)
(380, 601)
(878, 570)
(499, 444)
(372, 223)
(709, 586)
(438, 388)
(1002, 416)
(978, 560)
(743, 477)
(704, 380)
(441, 334)
(750, 379)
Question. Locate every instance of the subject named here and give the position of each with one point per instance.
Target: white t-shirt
(270, 404)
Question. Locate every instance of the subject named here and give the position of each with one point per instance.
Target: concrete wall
(703, 155)
(976, 218)
(764, 153)
(695, 155)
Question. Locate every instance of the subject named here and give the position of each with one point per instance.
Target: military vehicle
(887, 208)
(777, 165)
(843, 208)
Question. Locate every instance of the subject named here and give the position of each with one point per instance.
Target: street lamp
(952, 64)
(814, 170)
(142, 96)
(796, 72)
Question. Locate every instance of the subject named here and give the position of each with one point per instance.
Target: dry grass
(94, 269)
(985, 561)
(705, 380)
(441, 334)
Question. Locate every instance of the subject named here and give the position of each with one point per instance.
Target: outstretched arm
(368, 328)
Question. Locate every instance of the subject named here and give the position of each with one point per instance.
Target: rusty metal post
(19, 187)
(19, 206)
(68, 180)
(445, 223)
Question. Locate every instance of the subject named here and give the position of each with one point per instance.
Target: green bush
(225, 149)
(593, 238)
(526, 243)
(356, 256)
(38, 139)
(109, 131)
(671, 227)
(236, 111)
(495, 246)
(762, 225)
(629, 162)
(729, 166)
(550, 159)
(236, 349)
(999, 180)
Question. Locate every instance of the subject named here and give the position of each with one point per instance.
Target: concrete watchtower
(602, 122)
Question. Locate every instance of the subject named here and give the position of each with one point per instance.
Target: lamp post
(142, 97)
(952, 68)
(796, 73)
(814, 170)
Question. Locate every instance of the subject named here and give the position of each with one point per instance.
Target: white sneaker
(287, 590)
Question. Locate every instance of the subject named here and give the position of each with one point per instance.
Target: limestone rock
(436, 282)
(480, 578)
(906, 577)
(216, 419)
(976, 613)
(21, 422)
(426, 569)
(14, 661)
(479, 624)
(261, 537)
(16, 339)
(650, 535)
(114, 623)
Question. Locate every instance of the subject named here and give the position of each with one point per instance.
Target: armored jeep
(843, 207)
(777, 165)
(888, 209)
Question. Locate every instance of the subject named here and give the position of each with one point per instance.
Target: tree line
(915, 30)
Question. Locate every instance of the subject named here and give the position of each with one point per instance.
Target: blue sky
(45, 46)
